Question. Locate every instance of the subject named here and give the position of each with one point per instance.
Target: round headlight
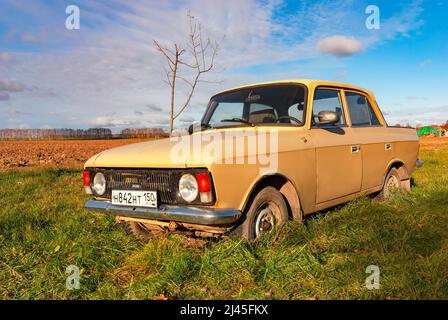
(99, 184)
(188, 187)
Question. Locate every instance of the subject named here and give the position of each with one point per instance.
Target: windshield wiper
(238, 120)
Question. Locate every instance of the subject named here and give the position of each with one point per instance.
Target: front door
(338, 156)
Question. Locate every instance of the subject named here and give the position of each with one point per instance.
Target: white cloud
(418, 116)
(416, 98)
(187, 119)
(7, 86)
(4, 96)
(11, 86)
(114, 68)
(109, 121)
(157, 120)
(400, 24)
(6, 59)
(340, 46)
(153, 107)
(14, 111)
(341, 74)
(28, 37)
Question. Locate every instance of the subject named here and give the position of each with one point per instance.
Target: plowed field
(21, 155)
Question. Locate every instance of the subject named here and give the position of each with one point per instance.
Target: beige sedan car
(263, 154)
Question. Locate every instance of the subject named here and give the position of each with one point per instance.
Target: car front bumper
(193, 215)
(418, 163)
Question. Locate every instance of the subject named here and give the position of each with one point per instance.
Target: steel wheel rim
(392, 184)
(264, 221)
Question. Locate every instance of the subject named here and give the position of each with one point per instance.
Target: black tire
(267, 211)
(391, 183)
(144, 232)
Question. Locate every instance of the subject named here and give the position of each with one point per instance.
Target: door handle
(356, 149)
(388, 146)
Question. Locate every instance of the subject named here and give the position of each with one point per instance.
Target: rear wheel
(391, 183)
(267, 211)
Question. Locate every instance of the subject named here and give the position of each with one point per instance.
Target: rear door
(369, 128)
(338, 157)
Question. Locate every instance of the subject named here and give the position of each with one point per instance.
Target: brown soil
(433, 143)
(22, 155)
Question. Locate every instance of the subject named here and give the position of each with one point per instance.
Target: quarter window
(360, 109)
(327, 100)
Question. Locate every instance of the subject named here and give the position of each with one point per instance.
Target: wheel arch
(285, 186)
(403, 173)
(398, 164)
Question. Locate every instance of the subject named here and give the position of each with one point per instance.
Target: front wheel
(267, 211)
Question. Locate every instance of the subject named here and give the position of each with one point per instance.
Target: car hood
(147, 154)
(201, 149)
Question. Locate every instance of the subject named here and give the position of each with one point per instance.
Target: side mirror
(328, 117)
(197, 127)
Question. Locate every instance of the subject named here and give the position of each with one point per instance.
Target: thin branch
(186, 81)
(163, 51)
(187, 64)
(203, 50)
(200, 56)
(167, 74)
(187, 102)
(211, 81)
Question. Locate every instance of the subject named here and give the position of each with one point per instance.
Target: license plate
(134, 198)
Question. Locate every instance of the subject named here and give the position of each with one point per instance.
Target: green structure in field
(427, 130)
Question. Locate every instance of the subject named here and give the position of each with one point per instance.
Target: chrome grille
(162, 181)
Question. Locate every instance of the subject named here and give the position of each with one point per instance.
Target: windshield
(268, 105)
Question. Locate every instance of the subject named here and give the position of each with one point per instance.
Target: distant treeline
(92, 133)
(144, 133)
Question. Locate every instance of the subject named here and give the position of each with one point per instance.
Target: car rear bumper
(186, 214)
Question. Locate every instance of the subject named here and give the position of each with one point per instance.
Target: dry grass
(44, 228)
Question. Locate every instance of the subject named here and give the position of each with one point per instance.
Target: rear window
(360, 109)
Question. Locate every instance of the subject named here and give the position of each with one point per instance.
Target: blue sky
(107, 73)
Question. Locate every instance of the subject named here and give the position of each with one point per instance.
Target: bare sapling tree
(196, 57)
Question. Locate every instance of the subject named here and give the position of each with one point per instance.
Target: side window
(327, 100)
(361, 112)
(296, 111)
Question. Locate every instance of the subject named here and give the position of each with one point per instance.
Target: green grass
(44, 229)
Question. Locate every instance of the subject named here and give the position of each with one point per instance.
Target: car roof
(307, 82)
